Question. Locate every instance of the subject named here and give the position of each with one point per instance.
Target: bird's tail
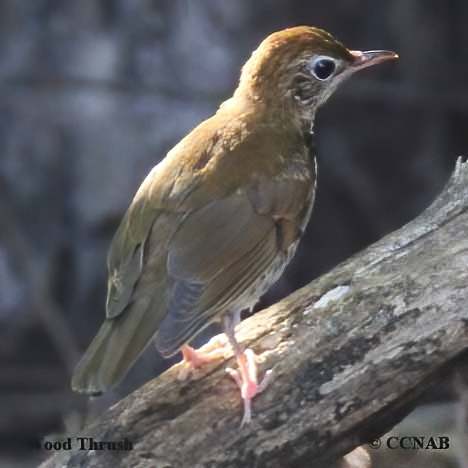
(118, 344)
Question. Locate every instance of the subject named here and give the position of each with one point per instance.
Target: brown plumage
(215, 223)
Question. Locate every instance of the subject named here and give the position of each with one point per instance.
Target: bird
(214, 224)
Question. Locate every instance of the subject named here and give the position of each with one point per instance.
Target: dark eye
(323, 68)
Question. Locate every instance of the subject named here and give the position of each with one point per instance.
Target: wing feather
(217, 259)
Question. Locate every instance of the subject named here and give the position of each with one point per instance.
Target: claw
(247, 380)
(193, 359)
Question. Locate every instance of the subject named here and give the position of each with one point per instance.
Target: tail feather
(118, 344)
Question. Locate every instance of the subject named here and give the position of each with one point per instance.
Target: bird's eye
(323, 68)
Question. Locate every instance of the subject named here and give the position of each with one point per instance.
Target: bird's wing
(125, 263)
(144, 232)
(219, 253)
(162, 192)
(180, 184)
(203, 225)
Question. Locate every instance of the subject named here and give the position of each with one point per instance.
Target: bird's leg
(192, 359)
(246, 377)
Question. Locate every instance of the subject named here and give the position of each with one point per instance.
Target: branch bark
(350, 353)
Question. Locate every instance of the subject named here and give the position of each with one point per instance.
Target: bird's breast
(288, 198)
(286, 194)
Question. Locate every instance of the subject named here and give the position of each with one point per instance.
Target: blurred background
(93, 93)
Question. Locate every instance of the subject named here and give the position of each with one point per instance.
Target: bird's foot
(246, 379)
(193, 359)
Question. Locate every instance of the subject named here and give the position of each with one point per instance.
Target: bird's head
(296, 70)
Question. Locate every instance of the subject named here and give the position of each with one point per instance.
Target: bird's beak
(371, 57)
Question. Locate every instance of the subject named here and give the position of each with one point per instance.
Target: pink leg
(246, 377)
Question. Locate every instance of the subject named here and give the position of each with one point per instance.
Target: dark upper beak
(370, 58)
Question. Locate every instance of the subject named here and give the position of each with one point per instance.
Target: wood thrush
(215, 223)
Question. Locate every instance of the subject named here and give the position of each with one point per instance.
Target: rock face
(94, 93)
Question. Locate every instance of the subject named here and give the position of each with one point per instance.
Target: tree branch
(350, 353)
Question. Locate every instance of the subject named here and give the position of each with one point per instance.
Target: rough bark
(350, 352)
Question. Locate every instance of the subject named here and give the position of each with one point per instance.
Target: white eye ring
(323, 67)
